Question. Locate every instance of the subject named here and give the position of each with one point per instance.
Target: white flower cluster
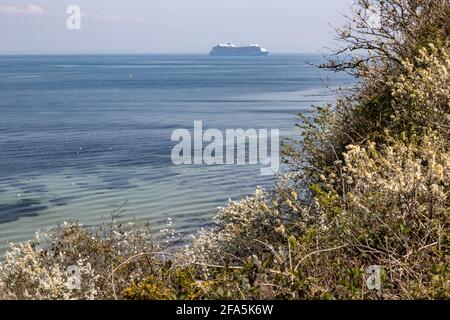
(422, 93)
(401, 169)
(107, 261)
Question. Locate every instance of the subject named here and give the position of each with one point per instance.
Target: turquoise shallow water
(81, 135)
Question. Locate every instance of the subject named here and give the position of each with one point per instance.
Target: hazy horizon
(168, 26)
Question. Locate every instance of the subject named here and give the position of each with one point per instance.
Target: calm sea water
(81, 135)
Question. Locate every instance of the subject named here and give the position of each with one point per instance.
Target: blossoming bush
(421, 96)
(390, 208)
(242, 228)
(108, 259)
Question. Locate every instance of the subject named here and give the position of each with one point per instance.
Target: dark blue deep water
(82, 134)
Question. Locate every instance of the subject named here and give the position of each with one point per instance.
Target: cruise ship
(229, 49)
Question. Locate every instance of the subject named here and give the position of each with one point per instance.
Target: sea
(85, 136)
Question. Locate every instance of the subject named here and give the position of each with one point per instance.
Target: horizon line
(4, 53)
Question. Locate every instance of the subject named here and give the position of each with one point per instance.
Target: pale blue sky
(169, 26)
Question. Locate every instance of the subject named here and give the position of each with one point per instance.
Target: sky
(168, 26)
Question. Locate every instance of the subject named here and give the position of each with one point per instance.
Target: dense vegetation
(367, 185)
